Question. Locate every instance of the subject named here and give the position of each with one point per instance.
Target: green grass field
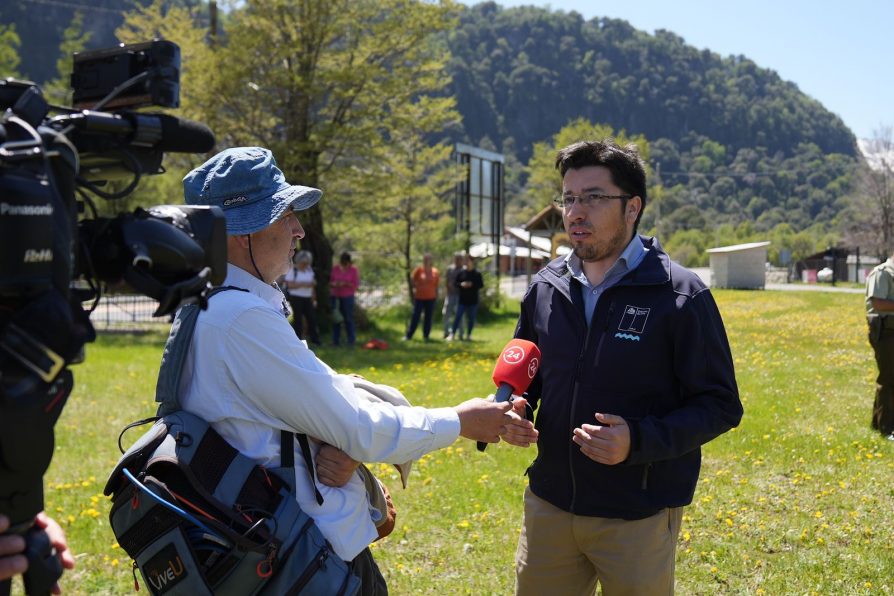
(798, 500)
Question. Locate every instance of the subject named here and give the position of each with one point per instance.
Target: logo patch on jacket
(633, 321)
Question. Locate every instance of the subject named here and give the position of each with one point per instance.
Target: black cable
(252, 257)
(89, 202)
(111, 196)
(89, 275)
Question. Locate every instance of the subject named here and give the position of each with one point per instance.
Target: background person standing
(300, 282)
(468, 282)
(451, 296)
(880, 316)
(425, 280)
(343, 283)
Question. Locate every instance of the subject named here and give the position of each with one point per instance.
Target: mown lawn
(798, 500)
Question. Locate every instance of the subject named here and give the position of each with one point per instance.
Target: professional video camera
(51, 263)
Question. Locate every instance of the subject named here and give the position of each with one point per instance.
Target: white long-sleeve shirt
(249, 376)
(297, 275)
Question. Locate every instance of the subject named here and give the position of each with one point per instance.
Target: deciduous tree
(314, 81)
(398, 204)
(74, 39)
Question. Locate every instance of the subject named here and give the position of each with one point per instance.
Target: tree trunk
(301, 168)
(408, 263)
(316, 242)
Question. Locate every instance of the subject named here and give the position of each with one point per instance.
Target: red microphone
(515, 369)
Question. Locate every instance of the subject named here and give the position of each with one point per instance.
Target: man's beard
(601, 249)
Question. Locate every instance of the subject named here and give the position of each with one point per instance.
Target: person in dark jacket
(636, 374)
(468, 283)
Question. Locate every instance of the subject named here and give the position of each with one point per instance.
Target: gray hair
(304, 256)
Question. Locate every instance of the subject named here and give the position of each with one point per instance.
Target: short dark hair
(624, 164)
(345, 258)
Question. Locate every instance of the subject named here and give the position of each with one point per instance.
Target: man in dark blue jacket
(636, 375)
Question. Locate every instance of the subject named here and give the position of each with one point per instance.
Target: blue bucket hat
(247, 185)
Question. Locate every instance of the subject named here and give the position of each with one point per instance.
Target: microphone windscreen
(183, 136)
(517, 365)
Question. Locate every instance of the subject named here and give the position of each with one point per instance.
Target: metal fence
(127, 313)
(131, 313)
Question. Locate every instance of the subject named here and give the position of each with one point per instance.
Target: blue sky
(840, 53)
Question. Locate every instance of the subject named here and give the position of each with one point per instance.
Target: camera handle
(44, 566)
(26, 446)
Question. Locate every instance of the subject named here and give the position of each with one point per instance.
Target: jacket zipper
(646, 469)
(572, 446)
(611, 310)
(574, 393)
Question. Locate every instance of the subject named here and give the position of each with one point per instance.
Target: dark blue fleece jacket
(656, 354)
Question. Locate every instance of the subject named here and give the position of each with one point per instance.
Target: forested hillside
(729, 142)
(733, 140)
(40, 23)
(523, 73)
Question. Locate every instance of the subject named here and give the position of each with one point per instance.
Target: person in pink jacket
(343, 283)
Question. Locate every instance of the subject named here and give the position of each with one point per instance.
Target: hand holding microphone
(513, 373)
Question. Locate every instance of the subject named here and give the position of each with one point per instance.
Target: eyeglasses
(588, 200)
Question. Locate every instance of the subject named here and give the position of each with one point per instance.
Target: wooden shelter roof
(548, 222)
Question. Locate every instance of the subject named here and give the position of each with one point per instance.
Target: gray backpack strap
(166, 390)
(176, 348)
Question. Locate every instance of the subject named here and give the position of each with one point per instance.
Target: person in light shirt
(299, 283)
(250, 377)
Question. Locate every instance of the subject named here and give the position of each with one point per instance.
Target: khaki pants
(561, 553)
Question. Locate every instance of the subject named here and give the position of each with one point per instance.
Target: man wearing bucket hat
(250, 377)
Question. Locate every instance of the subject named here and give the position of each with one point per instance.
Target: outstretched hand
(487, 421)
(607, 442)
